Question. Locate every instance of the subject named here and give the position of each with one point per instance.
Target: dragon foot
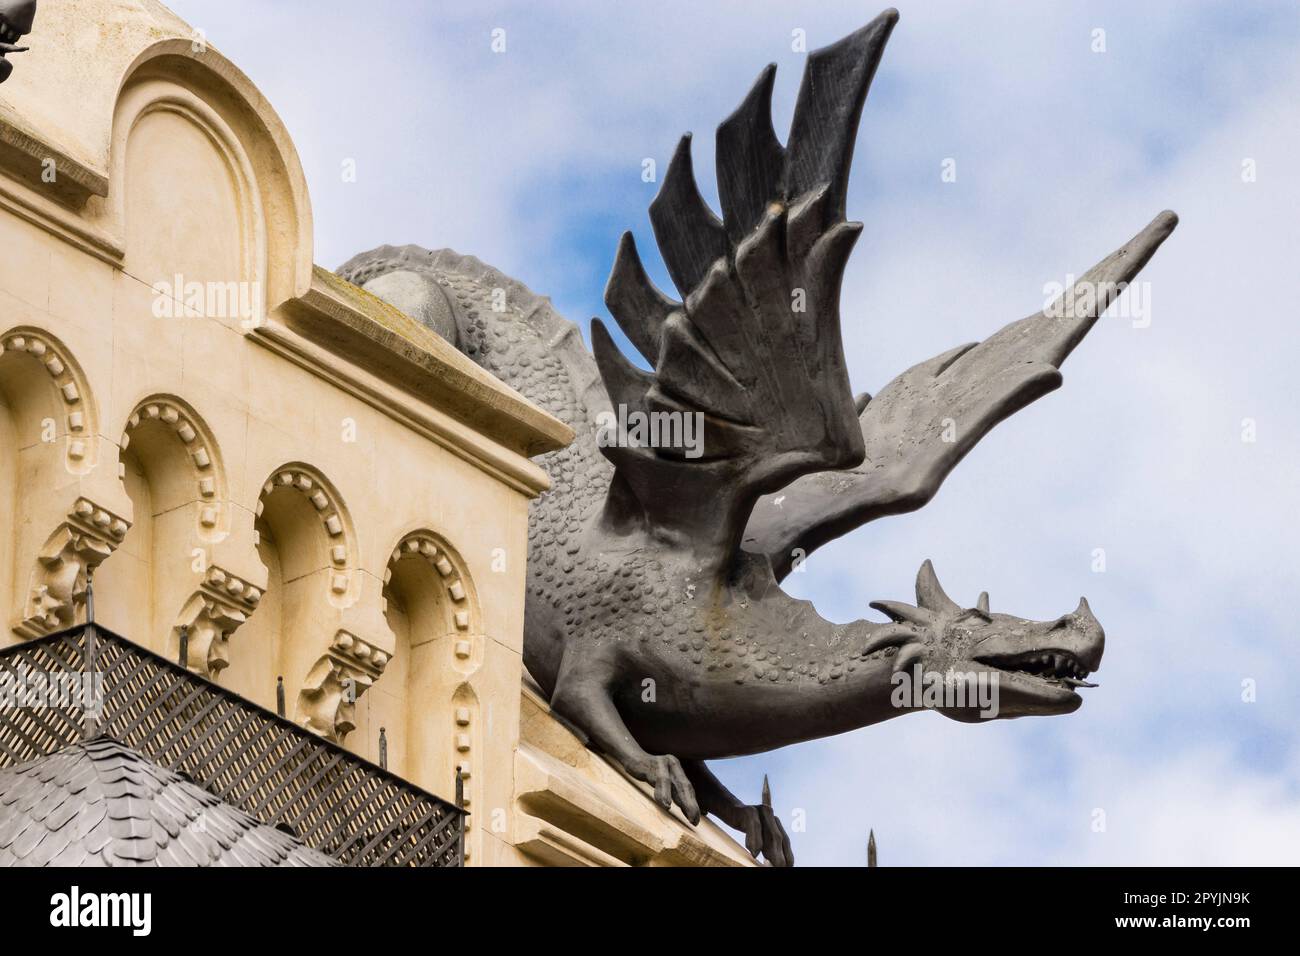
(765, 834)
(762, 827)
(666, 774)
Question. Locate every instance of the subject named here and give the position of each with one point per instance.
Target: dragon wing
(754, 351)
(926, 420)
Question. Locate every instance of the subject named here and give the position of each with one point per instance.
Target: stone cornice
(429, 365)
(376, 353)
(35, 207)
(591, 812)
(29, 156)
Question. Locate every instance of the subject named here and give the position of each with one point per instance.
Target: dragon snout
(1089, 636)
(1065, 651)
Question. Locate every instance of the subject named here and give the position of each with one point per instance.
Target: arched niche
(160, 581)
(306, 540)
(48, 399)
(191, 213)
(51, 533)
(207, 200)
(432, 608)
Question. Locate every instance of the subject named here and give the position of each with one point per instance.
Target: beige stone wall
(316, 488)
(575, 808)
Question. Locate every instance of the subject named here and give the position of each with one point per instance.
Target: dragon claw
(764, 834)
(666, 775)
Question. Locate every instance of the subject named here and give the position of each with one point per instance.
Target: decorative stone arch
(320, 619)
(67, 404)
(463, 614)
(69, 526)
(228, 282)
(335, 521)
(179, 577)
(205, 474)
(426, 702)
(193, 86)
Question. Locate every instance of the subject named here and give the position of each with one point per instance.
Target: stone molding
(426, 545)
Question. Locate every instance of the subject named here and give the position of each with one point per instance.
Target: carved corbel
(57, 594)
(223, 602)
(327, 702)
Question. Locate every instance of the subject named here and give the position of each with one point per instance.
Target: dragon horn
(929, 592)
(907, 656)
(982, 605)
(903, 613)
(767, 792)
(890, 636)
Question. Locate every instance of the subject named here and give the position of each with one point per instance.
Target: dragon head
(16, 19)
(1011, 666)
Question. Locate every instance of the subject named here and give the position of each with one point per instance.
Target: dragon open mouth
(1057, 667)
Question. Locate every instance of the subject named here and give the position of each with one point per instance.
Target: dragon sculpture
(655, 621)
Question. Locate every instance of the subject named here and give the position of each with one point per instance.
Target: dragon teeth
(1070, 681)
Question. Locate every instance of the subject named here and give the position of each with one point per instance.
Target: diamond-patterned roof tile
(99, 803)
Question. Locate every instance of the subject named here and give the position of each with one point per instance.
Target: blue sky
(531, 159)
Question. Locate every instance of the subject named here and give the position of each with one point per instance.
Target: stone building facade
(325, 498)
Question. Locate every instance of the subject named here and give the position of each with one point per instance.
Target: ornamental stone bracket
(57, 592)
(327, 702)
(222, 603)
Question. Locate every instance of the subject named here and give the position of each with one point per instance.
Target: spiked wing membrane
(755, 345)
(925, 421)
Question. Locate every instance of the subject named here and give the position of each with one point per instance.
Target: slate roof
(99, 803)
